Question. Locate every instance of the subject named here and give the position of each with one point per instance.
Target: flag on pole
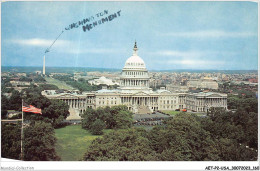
(30, 108)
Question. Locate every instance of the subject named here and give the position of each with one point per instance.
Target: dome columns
(134, 74)
(134, 83)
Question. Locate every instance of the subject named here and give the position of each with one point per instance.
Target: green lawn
(72, 142)
(59, 84)
(172, 112)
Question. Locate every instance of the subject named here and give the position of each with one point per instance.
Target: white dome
(134, 62)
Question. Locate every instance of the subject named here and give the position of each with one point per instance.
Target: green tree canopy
(97, 127)
(4, 106)
(39, 140)
(116, 117)
(11, 141)
(183, 139)
(121, 145)
(15, 101)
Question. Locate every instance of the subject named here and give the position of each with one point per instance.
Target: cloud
(93, 50)
(39, 42)
(195, 62)
(211, 34)
(192, 54)
(179, 53)
(193, 59)
(63, 46)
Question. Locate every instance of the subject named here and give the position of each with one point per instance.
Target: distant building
(103, 80)
(177, 88)
(38, 72)
(205, 83)
(21, 74)
(134, 92)
(12, 113)
(202, 102)
(20, 83)
(253, 80)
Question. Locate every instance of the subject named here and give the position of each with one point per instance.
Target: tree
(39, 79)
(57, 111)
(88, 117)
(118, 117)
(121, 145)
(4, 106)
(233, 132)
(123, 119)
(11, 141)
(15, 101)
(230, 150)
(81, 80)
(122, 116)
(39, 142)
(48, 87)
(25, 79)
(96, 128)
(183, 139)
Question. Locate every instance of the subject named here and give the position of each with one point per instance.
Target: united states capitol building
(134, 92)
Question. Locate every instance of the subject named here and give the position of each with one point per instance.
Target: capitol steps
(74, 114)
(143, 110)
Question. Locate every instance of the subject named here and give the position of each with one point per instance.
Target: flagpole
(22, 134)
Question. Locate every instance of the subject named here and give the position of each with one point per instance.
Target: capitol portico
(134, 92)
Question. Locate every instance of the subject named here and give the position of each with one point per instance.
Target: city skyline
(169, 35)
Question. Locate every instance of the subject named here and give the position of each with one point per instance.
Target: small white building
(103, 80)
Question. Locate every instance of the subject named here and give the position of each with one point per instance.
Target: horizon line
(150, 69)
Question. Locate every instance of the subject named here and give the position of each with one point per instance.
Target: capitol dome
(135, 62)
(134, 76)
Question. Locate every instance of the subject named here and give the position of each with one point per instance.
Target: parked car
(184, 110)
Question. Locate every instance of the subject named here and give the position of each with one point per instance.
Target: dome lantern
(135, 50)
